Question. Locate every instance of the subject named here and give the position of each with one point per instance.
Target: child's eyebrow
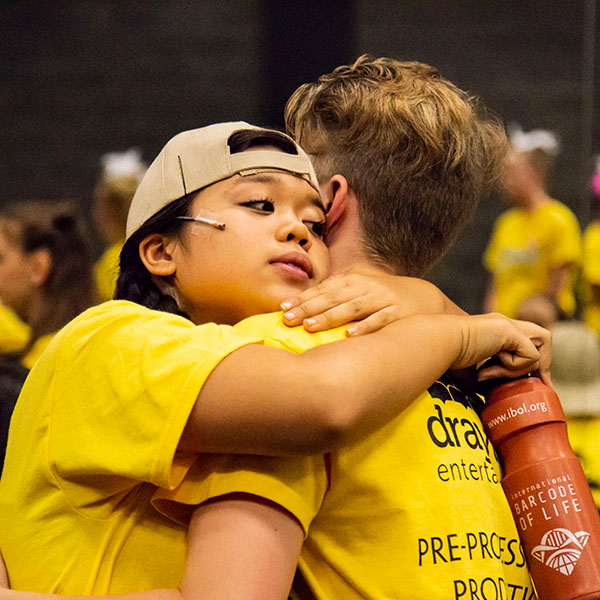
(316, 201)
(266, 178)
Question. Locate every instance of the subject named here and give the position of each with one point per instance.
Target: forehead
(10, 231)
(286, 186)
(518, 159)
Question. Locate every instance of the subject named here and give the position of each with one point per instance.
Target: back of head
(120, 176)
(538, 147)
(56, 228)
(413, 147)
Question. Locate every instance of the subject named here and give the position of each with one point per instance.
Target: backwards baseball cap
(197, 158)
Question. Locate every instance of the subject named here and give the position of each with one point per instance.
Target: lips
(295, 264)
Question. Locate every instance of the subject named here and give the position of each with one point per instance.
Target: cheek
(11, 272)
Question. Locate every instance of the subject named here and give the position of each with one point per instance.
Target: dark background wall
(81, 78)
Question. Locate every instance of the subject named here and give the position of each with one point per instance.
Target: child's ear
(335, 194)
(156, 252)
(40, 265)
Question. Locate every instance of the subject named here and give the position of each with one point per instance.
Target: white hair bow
(542, 139)
(117, 164)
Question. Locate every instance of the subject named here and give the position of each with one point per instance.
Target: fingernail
(286, 305)
(350, 330)
(289, 316)
(309, 322)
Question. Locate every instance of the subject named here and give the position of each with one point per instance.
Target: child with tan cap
(227, 223)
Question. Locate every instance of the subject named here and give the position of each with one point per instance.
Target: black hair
(135, 283)
(241, 141)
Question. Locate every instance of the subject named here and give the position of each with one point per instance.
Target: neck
(34, 314)
(347, 255)
(535, 199)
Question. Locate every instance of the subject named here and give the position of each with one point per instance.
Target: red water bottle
(549, 497)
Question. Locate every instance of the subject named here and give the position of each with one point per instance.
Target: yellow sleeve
(106, 271)
(122, 387)
(297, 484)
(591, 254)
(14, 334)
(565, 241)
(272, 330)
(490, 255)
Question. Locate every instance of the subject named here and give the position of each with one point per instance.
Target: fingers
(316, 315)
(335, 292)
(374, 322)
(511, 365)
(542, 339)
(345, 298)
(519, 357)
(342, 299)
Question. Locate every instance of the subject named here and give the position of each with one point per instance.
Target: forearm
(241, 547)
(489, 302)
(146, 595)
(269, 401)
(558, 279)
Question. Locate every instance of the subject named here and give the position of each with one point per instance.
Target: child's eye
(318, 228)
(260, 205)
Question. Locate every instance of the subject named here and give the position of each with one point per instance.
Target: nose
(293, 229)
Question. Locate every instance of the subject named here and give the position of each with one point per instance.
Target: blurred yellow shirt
(14, 334)
(584, 436)
(35, 350)
(106, 271)
(524, 248)
(590, 275)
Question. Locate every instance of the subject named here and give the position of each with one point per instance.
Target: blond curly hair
(418, 152)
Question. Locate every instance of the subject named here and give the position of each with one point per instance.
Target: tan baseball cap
(197, 158)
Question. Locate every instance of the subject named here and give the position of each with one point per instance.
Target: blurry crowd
(544, 268)
(47, 271)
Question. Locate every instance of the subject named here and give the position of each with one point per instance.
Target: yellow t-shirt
(106, 271)
(584, 436)
(524, 248)
(36, 349)
(590, 274)
(94, 432)
(415, 510)
(14, 334)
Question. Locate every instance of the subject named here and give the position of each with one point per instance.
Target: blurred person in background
(120, 176)
(45, 269)
(590, 268)
(535, 246)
